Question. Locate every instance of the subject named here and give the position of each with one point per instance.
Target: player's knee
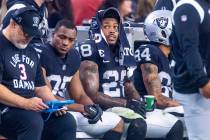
(137, 128)
(68, 123)
(36, 124)
(176, 130)
(68, 127)
(119, 127)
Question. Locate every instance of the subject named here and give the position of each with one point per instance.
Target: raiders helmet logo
(162, 22)
(94, 24)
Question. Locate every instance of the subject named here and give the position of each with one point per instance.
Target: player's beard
(20, 45)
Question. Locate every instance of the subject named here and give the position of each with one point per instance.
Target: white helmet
(158, 26)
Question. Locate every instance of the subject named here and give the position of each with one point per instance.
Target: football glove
(137, 106)
(94, 113)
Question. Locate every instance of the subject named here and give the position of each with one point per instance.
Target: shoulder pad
(88, 50)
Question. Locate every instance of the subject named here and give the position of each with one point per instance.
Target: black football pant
(19, 124)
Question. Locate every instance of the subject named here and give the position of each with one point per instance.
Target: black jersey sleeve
(39, 81)
(88, 51)
(74, 60)
(187, 22)
(44, 60)
(146, 54)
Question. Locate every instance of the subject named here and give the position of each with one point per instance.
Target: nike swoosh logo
(105, 61)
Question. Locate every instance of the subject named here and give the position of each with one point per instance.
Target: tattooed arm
(153, 85)
(130, 91)
(90, 80)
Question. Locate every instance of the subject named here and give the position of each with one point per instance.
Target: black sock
(112, 135)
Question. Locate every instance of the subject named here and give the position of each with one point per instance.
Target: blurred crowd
(81, 11)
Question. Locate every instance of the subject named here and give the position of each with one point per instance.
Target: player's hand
(174, 103)
(35, 104)
(61, 112)
(163, 102)
(205, 90)
(93, 113)
(137, 106)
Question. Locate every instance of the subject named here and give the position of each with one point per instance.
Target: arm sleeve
(187, 23)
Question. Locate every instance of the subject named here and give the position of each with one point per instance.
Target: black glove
(137, 106)
(94, 113)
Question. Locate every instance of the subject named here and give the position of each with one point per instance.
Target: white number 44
(144, 54)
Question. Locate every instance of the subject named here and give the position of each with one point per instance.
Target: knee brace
(176, 132)
(137, 130)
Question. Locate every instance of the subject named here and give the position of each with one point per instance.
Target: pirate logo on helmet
(162, 22)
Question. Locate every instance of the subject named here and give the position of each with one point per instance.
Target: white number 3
(23, 75)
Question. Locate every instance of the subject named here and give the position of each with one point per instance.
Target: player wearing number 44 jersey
(60, 62)
(153, 76)
(106, 69)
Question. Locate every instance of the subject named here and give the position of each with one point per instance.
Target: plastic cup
(150, 102)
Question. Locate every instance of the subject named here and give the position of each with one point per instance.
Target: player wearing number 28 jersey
(111, 74)
(107, 62)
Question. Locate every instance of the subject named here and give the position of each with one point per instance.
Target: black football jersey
(20, 70)
(111, 74)
(191, 45)
(152, 54)
(59, 71)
